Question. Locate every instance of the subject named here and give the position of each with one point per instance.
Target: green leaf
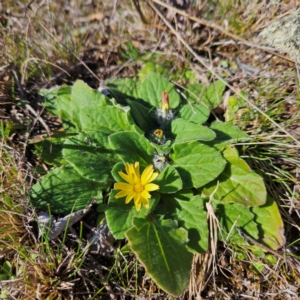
(162, 68)
(108, 119)
(169, 202)
(50, 96)
(160, 246)
(226, 134)
(120, 215)
(196, 113)
(232, 216)
(209, 97)
(132, 147)
(238, 183)
(258, 266)
(186, 131)
(196, 163)
(192, 216)
(189, 211)
(82, 95)
(64, 190)
(151, 90)
(212, 96)
(194, 92)
(169, 180)
(270, 224)
(122, 89)
(91, 155)
(50, 149)
(67, 103)
(65, 110)
(141, 115)
(59, 103)
(115, 171)
(231, 108)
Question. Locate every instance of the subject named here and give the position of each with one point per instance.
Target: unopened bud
(165, 101)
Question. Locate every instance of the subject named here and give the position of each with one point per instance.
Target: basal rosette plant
(152, 150)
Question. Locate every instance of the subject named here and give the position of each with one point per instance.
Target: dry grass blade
(221, 29)
(218, 76)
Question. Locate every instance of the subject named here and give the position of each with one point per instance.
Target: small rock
(284, 34)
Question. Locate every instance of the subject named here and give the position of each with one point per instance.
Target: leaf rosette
(148, 122)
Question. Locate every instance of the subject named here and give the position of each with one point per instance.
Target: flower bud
(165, 101)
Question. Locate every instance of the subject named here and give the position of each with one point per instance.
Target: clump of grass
(13, 220)
(48, 273)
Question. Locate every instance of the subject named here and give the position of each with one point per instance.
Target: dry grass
(45, 43)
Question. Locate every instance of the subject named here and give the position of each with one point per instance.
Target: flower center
(158, 133)
(138, 188)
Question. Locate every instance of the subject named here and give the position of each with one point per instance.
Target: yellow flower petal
(147, 174)
(145, 202)
(121, 194)
(126, 177)
(153, 176)
(123, 186)
(137, 169)
(129, 197)
(137, 202)
(150, 187)
(145, 194)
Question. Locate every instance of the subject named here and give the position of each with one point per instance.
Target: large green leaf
(210, 97)
(120, 215)
(169, 180)
(108, 119)
(122, 89)
(49, 97)
(193, 217)
(194, 92)
(196, 113)
(59, 103)
(190, 212)
(82, 95)
(132, 147)
(196, 163)
(226, 133)
(151, 89)
(161, 247)
(50, 149)
(238, 183)
(141, 115)
(270, 224)
(67, 103)
(64, 190)
(186, 131)
(232, 216)
(91, 155)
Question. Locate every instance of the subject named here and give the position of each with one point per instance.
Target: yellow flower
(138, 187)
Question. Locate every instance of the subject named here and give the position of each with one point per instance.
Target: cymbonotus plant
(154, 151)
